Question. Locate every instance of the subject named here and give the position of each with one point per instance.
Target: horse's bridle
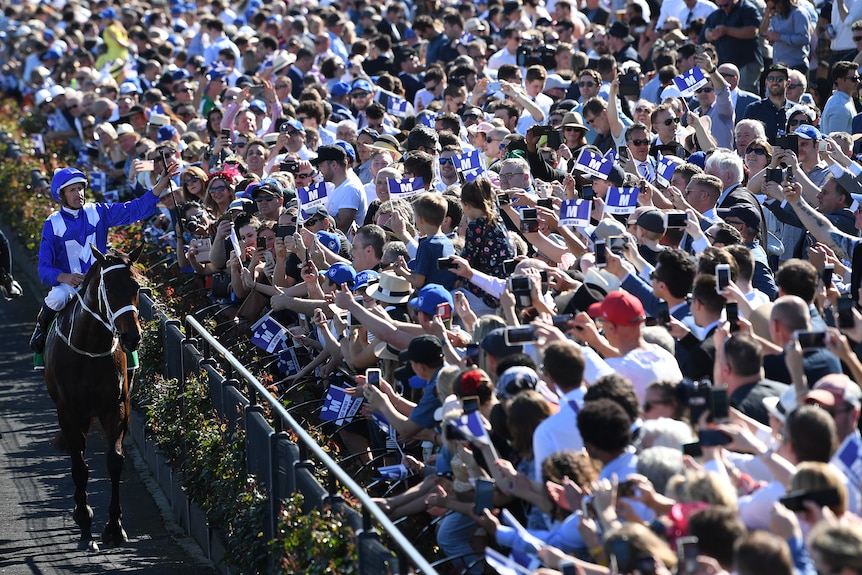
(105, 315)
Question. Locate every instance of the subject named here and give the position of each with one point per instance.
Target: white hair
(664, 432)
(724, 161)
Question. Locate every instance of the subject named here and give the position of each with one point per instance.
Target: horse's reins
(109, 313)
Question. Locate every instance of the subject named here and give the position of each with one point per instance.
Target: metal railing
(281, 465)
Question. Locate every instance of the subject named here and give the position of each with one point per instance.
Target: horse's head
(120, 294)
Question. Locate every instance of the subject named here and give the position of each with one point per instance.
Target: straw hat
(391, 289)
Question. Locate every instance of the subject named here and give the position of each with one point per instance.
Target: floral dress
(486, 248)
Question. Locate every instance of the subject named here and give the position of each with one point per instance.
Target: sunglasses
(216, 189)
(639, 142)
(586, 84)
(756, 151)
(306, 175)
(648, 405)
(191, 179)
(643, 109)
(706, 89)
(792, 123)
(444, 161)
(776, 79)
(670, 121)
(361, 94)
(571, 129)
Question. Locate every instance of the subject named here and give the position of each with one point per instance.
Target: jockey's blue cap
(348, 149)
(429, 297)
(331, 241)
(340, 273)
(66, 177)
(365, 278)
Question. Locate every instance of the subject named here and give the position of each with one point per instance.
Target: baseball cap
(425, 349)
(331, 152)
(268, 187)
(365, 278)
(340, 273)
(348, 149)
(652, 221)
(516, 379)
(124, 130)
(258, 106)
(339, 89)
(833, 391)
(619, 308)
(429, 297)
(609, 227)
(128, 88)
(166, 133)
(43, 96)
(808, 132)
(483, 127)
(361, 85)
(495, 344)
(749, 214)
(555, 81)
(331, 241)
(780, 407)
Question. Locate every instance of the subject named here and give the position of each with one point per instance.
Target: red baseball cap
(619, 308)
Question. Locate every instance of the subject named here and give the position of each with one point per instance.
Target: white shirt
(643, 366)
(559, 432)
(501, 57)
(678, 9)
(350, 194)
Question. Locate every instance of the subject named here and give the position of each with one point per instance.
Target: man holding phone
(268, 196)
(771, 110)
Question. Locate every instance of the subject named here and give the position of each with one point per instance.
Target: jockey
(65, 254)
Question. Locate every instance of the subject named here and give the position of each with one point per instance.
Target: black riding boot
(43, 321)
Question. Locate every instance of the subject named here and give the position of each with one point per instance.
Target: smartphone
(601, 255)
(810, 339)
(692, 449)
(845, 312)
(226, 133)
(484, 496)
(687, 552)
(520, 284)
(823, 146)
(372, 377)
(788, 142)
(445, 264)
(289, 165)
(622, 554)
(794, 500)
(722, 277)
(774, 175)
(629, 84)
(731, 310)
(788, 175)
(256, 90)
(494, 86)
(698, 49)
(699, 400)
(561, 322)
(351, 320)
(285, 231)
(587, 193)
(542, 130)
(720, 405)
(261, 243)
(617, 244)
(520, 335)
(504, 199)
(444, 312)
(828, 270)
(677, 219)
(623, 153)
(626, 488)
(529, 221)
(471, 354)
(712, 437)
(470, 403)
(146, 166)
(662, 313)
(509, 266)
(545, 203)
(568, 569)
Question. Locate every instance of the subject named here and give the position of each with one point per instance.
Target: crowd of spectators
(661, 385)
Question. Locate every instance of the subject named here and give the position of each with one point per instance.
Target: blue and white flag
(383, 425)
(38, 144)
(405, 187)
(575, 213)
(849, 459)
(111, 196)
(665, 168)
(690, 81)
(621, 200)
(469, 164)
(397, 106)
(428, 119)
(339, 407)
(312, 196)
(473, 428)
(612, 155)
(288, 363)
(393, 472)
(502, 564)
(593, 164)
(99, 182)
(268, 334)
(234, 240)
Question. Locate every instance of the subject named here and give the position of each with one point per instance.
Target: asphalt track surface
(37, 533)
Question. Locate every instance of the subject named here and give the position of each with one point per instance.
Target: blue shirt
(423, 413)
(432, 248)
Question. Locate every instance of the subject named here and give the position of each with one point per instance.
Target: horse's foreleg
(115, 428)
(76, 441)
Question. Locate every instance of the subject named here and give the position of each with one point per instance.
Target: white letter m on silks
(79, 255)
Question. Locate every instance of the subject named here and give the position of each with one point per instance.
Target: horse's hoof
(114, 536)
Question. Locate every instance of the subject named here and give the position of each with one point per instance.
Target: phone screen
(828, 270)
(601, 255)
(811, 339)
(372, 377)
(587, 193)
(484, 495)
(261, 243)
(444, 311)
(520, 335)
(845, 312)
(285, 231)
(722, 277)
(731, 310)
(720, 405)
(662, 313)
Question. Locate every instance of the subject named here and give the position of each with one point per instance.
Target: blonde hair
(814, 475)
(643, 542)
(702, 486)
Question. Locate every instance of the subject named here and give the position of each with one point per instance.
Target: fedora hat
(573, 120)
(282, 61)
(391, 289)
(383, 350)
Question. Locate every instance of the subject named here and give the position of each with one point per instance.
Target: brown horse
(85, 371)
